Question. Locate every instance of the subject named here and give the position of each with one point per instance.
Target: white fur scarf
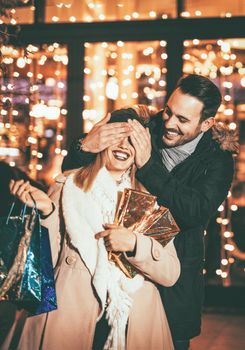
(84, 215)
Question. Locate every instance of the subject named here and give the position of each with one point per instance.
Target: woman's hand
(117, 238)
(22, 191)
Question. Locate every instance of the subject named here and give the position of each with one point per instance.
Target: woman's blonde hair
(85, 176)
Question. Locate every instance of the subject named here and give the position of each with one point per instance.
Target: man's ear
(207, 124)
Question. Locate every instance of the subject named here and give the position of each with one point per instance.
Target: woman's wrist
(48, 211)
(133, 244)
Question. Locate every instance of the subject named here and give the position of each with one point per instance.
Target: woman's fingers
(23, 188)
(107, 239)
(16, 185)
(25, 197)
(111, 226)
(102, 234)
(20, 189)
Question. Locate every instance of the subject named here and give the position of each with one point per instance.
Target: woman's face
(120, 157)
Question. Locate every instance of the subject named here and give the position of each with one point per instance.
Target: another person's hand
(141, 140)
(103, 135)
(22, 191)
(117, 238)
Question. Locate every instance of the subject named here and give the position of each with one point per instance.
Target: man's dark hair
(204, 90)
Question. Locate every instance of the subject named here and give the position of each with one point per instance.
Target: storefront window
(209, 8)
(32, 128)
(21, 13)
(108, 10)
(122, 74)
(223, 61)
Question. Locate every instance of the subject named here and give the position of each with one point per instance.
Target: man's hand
(117, 238)
(141, 140)
(103, 135)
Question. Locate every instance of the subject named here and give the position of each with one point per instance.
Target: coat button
(156, 254)
(70, 260)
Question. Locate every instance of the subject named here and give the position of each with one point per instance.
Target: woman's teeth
(120, 155)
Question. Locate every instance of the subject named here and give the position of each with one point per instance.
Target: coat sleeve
(52, 222)
(190, 205)
(160, 264)
(76, 158)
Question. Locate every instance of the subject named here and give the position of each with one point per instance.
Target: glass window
(223, 61)
(122, 74)
(108, 10)
(32, 129)
(210, 8)
(23, 13)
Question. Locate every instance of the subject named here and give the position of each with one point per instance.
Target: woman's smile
(121, 154)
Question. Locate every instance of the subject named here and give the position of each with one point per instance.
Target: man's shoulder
(155, 123)
(156, 118)
(218, 144)
(219, 158)
(225, 156)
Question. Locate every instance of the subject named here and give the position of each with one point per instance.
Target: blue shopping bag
(26, 270)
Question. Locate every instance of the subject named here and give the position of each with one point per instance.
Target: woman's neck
(117, 175)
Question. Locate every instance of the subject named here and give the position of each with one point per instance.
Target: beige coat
(72, 325)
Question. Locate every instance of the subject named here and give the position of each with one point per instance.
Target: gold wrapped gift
(138, 211)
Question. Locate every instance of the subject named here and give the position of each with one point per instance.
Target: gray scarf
(175, 155)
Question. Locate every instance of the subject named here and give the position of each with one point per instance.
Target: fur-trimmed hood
(227, 138)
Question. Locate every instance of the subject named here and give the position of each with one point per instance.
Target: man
(189, 171)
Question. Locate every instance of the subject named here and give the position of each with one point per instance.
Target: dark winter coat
(192, 191)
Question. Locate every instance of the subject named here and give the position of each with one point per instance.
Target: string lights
(97, 10)
(223, 62)
(120, 74)
(36, 86)
(59, 11)
(93, 10)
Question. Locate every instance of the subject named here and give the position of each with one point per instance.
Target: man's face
(181, 118)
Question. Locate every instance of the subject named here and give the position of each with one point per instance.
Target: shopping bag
(48, 299)
(26, 271)
(20, 281)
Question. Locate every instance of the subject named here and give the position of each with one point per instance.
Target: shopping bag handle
(35, 212)
(23, 210)
(34, 202)
(22, 213)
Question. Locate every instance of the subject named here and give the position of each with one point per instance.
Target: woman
(80, 206)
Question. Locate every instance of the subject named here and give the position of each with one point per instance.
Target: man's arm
(194, 204)
(76, 157)
(191, 204)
